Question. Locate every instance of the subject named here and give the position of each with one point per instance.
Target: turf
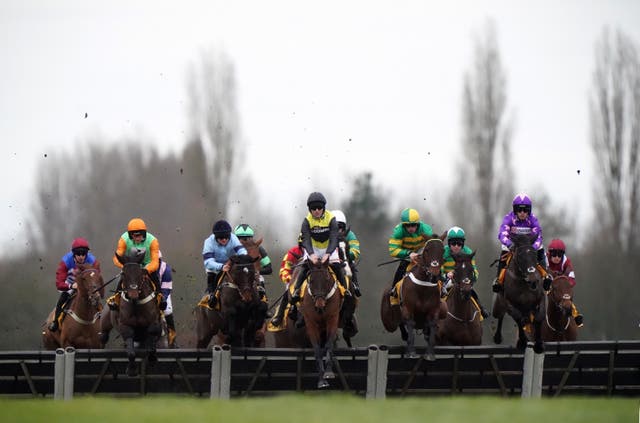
(320, 408)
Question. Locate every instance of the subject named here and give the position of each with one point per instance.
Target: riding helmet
(221, 228)
(557, 244)
(80, 246)
(522, 199)
(137, 225)
(456, 232)
(316, 199)
(409, 216)
(243, 230)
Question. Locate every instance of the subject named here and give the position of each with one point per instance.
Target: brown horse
(420, 304)
(523, 296)
(321, 310)
(81, 325)
(462, 326)
(139, 314)
(558, 324)
(241, 315)
(290, 335)
(253, 250)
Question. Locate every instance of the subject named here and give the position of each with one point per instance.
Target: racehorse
(420, 304)
(290, 335)
(81, 326)
(462, 326)
(321, 310)
(558, 324)
(241, 314)
(253, 249)
(139, 313)
(523, 296)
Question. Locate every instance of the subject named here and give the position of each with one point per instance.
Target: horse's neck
(457, 303)
(81, 305)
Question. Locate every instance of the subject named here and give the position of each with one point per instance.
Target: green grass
(318, 408)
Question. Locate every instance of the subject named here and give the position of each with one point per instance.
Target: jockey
(244, 233)
(66, 274)
(291, 259)
(166, 286)
(560, 264)
(348, 249)
(456, 245)
(520, 221)
(136, 240)
(407, 238)
(216, 251)
(320, 241)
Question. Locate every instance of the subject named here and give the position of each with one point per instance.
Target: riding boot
(64, 296)
(400, 272)
(337, 269)
(354, 282)
(502, 264)
(277, 319)
(212, 287)
(543, 268)
(171, 330)
(483, 311)
(295, 297)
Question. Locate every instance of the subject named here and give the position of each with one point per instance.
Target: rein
(546, 317)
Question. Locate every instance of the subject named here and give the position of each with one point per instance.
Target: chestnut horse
(139, 314)
(81, 325)
(321, 310)
(462, 326)
(558, 324)
(523, 296)
(420, 304)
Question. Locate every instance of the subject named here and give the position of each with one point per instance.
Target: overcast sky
(370, 83)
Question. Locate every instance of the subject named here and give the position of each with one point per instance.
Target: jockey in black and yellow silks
(319, 241)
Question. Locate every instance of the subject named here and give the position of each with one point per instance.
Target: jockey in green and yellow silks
(407, 238)
(456, 245)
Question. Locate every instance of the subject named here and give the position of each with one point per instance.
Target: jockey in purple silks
(520, 221)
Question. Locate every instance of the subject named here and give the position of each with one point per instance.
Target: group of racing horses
(240, 316)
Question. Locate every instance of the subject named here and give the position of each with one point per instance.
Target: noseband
(138, 288)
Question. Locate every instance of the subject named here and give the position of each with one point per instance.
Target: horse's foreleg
(522, 338)
(411, 338)
(318, 351)
(154, 332)
(430, 338)
(497, 336)
(132, 369)
(538, 345)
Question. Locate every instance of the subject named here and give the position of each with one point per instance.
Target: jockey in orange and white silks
(66, 274)
(520, 221)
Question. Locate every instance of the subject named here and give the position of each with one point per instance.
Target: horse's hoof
(412, 354)
(329, 375)
(429, 357)
(323, 384)
(132, 370)
(538, 348)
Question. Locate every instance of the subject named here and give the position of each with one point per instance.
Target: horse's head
(133, 276)
(464, 275)
(526, 259)
(242, 274)
(253, 249)
(432, 257)
(90, 284)
(562, 294)
(320, 283)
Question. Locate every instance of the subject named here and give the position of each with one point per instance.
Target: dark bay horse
(523, 296)
(320, 307)
(462, 326)
(420, 304)
(80, 328)
(139, 313)
(558, 324)
(240, 318)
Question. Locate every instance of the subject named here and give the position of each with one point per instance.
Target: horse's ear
(119, 257)
(258, 242)
(473, 253)
(443, 236)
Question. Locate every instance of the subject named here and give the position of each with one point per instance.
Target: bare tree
(486, 179)
(615, 135)
(214, 122)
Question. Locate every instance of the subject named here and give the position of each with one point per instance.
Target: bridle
(139, 288)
